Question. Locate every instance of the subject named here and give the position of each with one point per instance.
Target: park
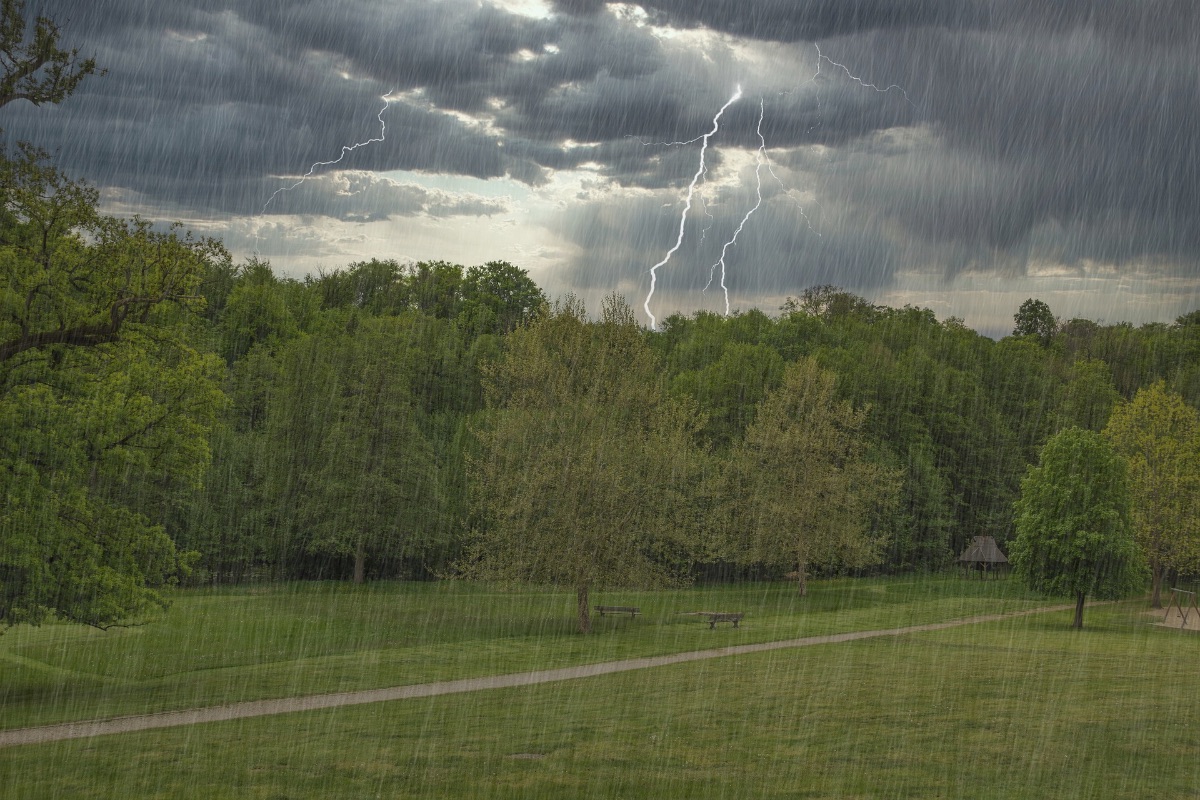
(1013, 707)
(403, 527)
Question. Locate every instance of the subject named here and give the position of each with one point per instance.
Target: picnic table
(717, 616)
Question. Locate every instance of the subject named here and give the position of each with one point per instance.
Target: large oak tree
(105, 405)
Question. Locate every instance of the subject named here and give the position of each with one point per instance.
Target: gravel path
(285, 705)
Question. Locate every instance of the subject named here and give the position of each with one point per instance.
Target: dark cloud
(783, 249)
(1023, 131)
(788, 21)
(580, 7)
(356, 196)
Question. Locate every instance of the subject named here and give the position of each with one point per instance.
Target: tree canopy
(1035, 319)
(1073, 532)
(34, 67)
(584, 461)
(1158, 435)
(105, 401)
(800, 489)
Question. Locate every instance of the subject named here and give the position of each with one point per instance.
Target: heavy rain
(564, 398)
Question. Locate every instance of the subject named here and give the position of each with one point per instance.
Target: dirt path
(285, 705)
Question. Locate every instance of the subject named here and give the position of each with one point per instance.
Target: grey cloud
(1048, 130)
(784, 20)
(779, 252)
(365, 197)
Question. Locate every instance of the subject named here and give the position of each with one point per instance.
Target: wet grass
(1020, 708)
(226, 645)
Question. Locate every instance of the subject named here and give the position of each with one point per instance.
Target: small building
(983, 556)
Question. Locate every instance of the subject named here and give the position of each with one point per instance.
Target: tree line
(167, 414)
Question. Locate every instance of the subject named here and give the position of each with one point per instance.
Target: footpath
(287, 705)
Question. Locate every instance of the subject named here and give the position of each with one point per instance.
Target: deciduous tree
(36, 68)
(1034, 318)
(103, 398)
(357, 472)
(584, 462)
(800, 489)
(1073, 531)
(1158, 435)
(105, 405)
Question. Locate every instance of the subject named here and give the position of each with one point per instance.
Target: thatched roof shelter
(983, 554)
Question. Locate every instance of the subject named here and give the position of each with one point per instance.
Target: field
(1023, 707)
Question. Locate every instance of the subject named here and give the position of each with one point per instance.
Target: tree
(1035, 319)
(829, 302)
(37, 70)
(436, 288)
(256, 311)
(76, 278)
(498, 296)
(105, 406)
(1158, 435)
(584, 461)
(356, 471)
(1073, 530)
(800, 490)
(1088, 396)
(729, 390)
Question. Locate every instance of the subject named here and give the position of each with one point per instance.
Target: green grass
(1024, 707)
(220, 646)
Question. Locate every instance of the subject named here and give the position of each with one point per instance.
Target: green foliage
(255, 312)
(356, 475)
(799, 489)
(105, 405)
(37, 69)
(1073, 530)
(728, 390)
(498, 297)
(493, 298)
(72, 277)
(379, 287)
(583, 473)
(1034, 319)
(830, 303)
(1158, 435)
(1088, 396)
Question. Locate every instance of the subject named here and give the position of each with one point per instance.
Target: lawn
(220, 646)
(1023, 707)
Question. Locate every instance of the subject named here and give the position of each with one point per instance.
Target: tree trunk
(1078, 623)
(585, 620)
(802, 579)
(1156, 582)
(360, 562)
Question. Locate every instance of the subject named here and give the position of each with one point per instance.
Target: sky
(956, 155)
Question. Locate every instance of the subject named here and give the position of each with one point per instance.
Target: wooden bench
(720, 616)
(632, 611)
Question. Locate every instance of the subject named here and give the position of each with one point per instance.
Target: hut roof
(983, 549)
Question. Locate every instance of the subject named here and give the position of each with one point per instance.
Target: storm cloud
(921, 137)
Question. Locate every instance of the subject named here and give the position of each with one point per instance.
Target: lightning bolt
(799, 206)
(759, 158)
(822, 57)
(349, 148)
(688, 203)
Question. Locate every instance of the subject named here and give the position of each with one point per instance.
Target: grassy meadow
(1023, 707)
